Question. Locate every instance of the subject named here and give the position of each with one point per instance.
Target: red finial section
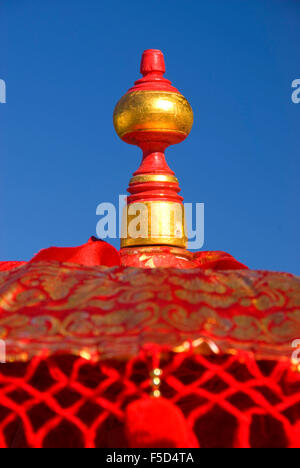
(153, 62)
(152, 68)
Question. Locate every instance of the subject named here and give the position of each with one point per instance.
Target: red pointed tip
(152, 68)
(153, 61)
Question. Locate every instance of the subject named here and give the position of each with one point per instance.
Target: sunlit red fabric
(96, 252)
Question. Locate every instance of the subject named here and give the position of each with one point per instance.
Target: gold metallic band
(139, 179)
(154, 223)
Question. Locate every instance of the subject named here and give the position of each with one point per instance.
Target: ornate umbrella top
(91, 332)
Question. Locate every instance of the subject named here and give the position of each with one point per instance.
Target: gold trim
(153, 130)
(139, 179)
(140, 242)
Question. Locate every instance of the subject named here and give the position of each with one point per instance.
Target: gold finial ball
(152, 111)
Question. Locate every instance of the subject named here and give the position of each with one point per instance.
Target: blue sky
(66, 63)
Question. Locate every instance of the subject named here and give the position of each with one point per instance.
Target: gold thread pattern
(114, 311)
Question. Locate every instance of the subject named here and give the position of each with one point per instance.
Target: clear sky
(67, 62)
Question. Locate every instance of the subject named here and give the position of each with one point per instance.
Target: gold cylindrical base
(154, 223)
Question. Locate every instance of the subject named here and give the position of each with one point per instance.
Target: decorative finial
(154, 115)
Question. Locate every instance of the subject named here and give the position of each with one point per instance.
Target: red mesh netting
(229, 401)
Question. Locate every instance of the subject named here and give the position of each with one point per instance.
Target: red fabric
(218, 260)
(7, 266)
(97, 252)
(94, 252)
(114, 311)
